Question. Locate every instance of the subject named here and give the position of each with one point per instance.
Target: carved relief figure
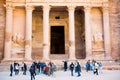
(98, 36)
(18, 40)
(98, 40)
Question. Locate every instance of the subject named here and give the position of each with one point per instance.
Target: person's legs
(31, 76)
(79, 73)
(24, 72)
(51, 72)
(10, 73)
(64, 69)
(96, 71)
(71, 72)
(86, 69)
(15, 72)
(100, 70)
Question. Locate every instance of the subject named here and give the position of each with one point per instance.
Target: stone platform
(107, 65)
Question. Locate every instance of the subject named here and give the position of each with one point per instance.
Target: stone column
(8, 33)
(71, 10)
(46, 42)
(88, 41)
(106, 27)
(28, 36)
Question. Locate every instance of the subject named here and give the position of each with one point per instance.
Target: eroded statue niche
(98, 40)
(18, 40)
(18, 43)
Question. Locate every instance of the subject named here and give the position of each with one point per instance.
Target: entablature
(96, 3)
(52, 1)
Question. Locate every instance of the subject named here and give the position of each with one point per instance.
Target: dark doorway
(57, 40)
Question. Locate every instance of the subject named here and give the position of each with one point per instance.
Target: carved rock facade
(86, 29)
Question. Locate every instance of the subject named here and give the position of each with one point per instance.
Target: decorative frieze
(29, 8)
(87, 8)
(60, 0)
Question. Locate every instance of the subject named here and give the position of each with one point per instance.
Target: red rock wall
(115, 28)
(2, 27)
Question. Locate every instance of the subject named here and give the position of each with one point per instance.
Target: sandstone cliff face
(119, 25)
(2, 27)
(115, 28)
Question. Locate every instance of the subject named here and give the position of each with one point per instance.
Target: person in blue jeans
(71, 68)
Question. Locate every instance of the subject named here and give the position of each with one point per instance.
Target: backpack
(96, 66)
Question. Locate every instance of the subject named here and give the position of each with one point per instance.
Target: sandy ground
(61, 75)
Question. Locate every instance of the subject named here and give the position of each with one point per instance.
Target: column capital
(87, 8)
(46, 7)
(9, 7)
(105, 8)
(29, 7)
(71, 7)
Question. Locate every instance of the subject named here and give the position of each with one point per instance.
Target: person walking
(11, 69)
(72, 68)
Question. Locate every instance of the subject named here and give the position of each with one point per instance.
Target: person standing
(100, 67)
(65, 65)
(96, 68)
(17, 69)
(51, 66)
(24, 68)
(72, 68)
(32, 72)
(75, 65)
(88, 66)
(11, 69)
(14, 66)
(78, 69)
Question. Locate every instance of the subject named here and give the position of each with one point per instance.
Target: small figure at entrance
(11, 69)
(72, 68)
(65, 65)
(78, 69)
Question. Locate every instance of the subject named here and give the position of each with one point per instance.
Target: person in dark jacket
(78, 69)
(11, 69)
(88, 66)
(24, 68)
(32, 72)
(65, 65)
(71, 68)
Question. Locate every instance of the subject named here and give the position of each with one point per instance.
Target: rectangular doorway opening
(57, 40)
